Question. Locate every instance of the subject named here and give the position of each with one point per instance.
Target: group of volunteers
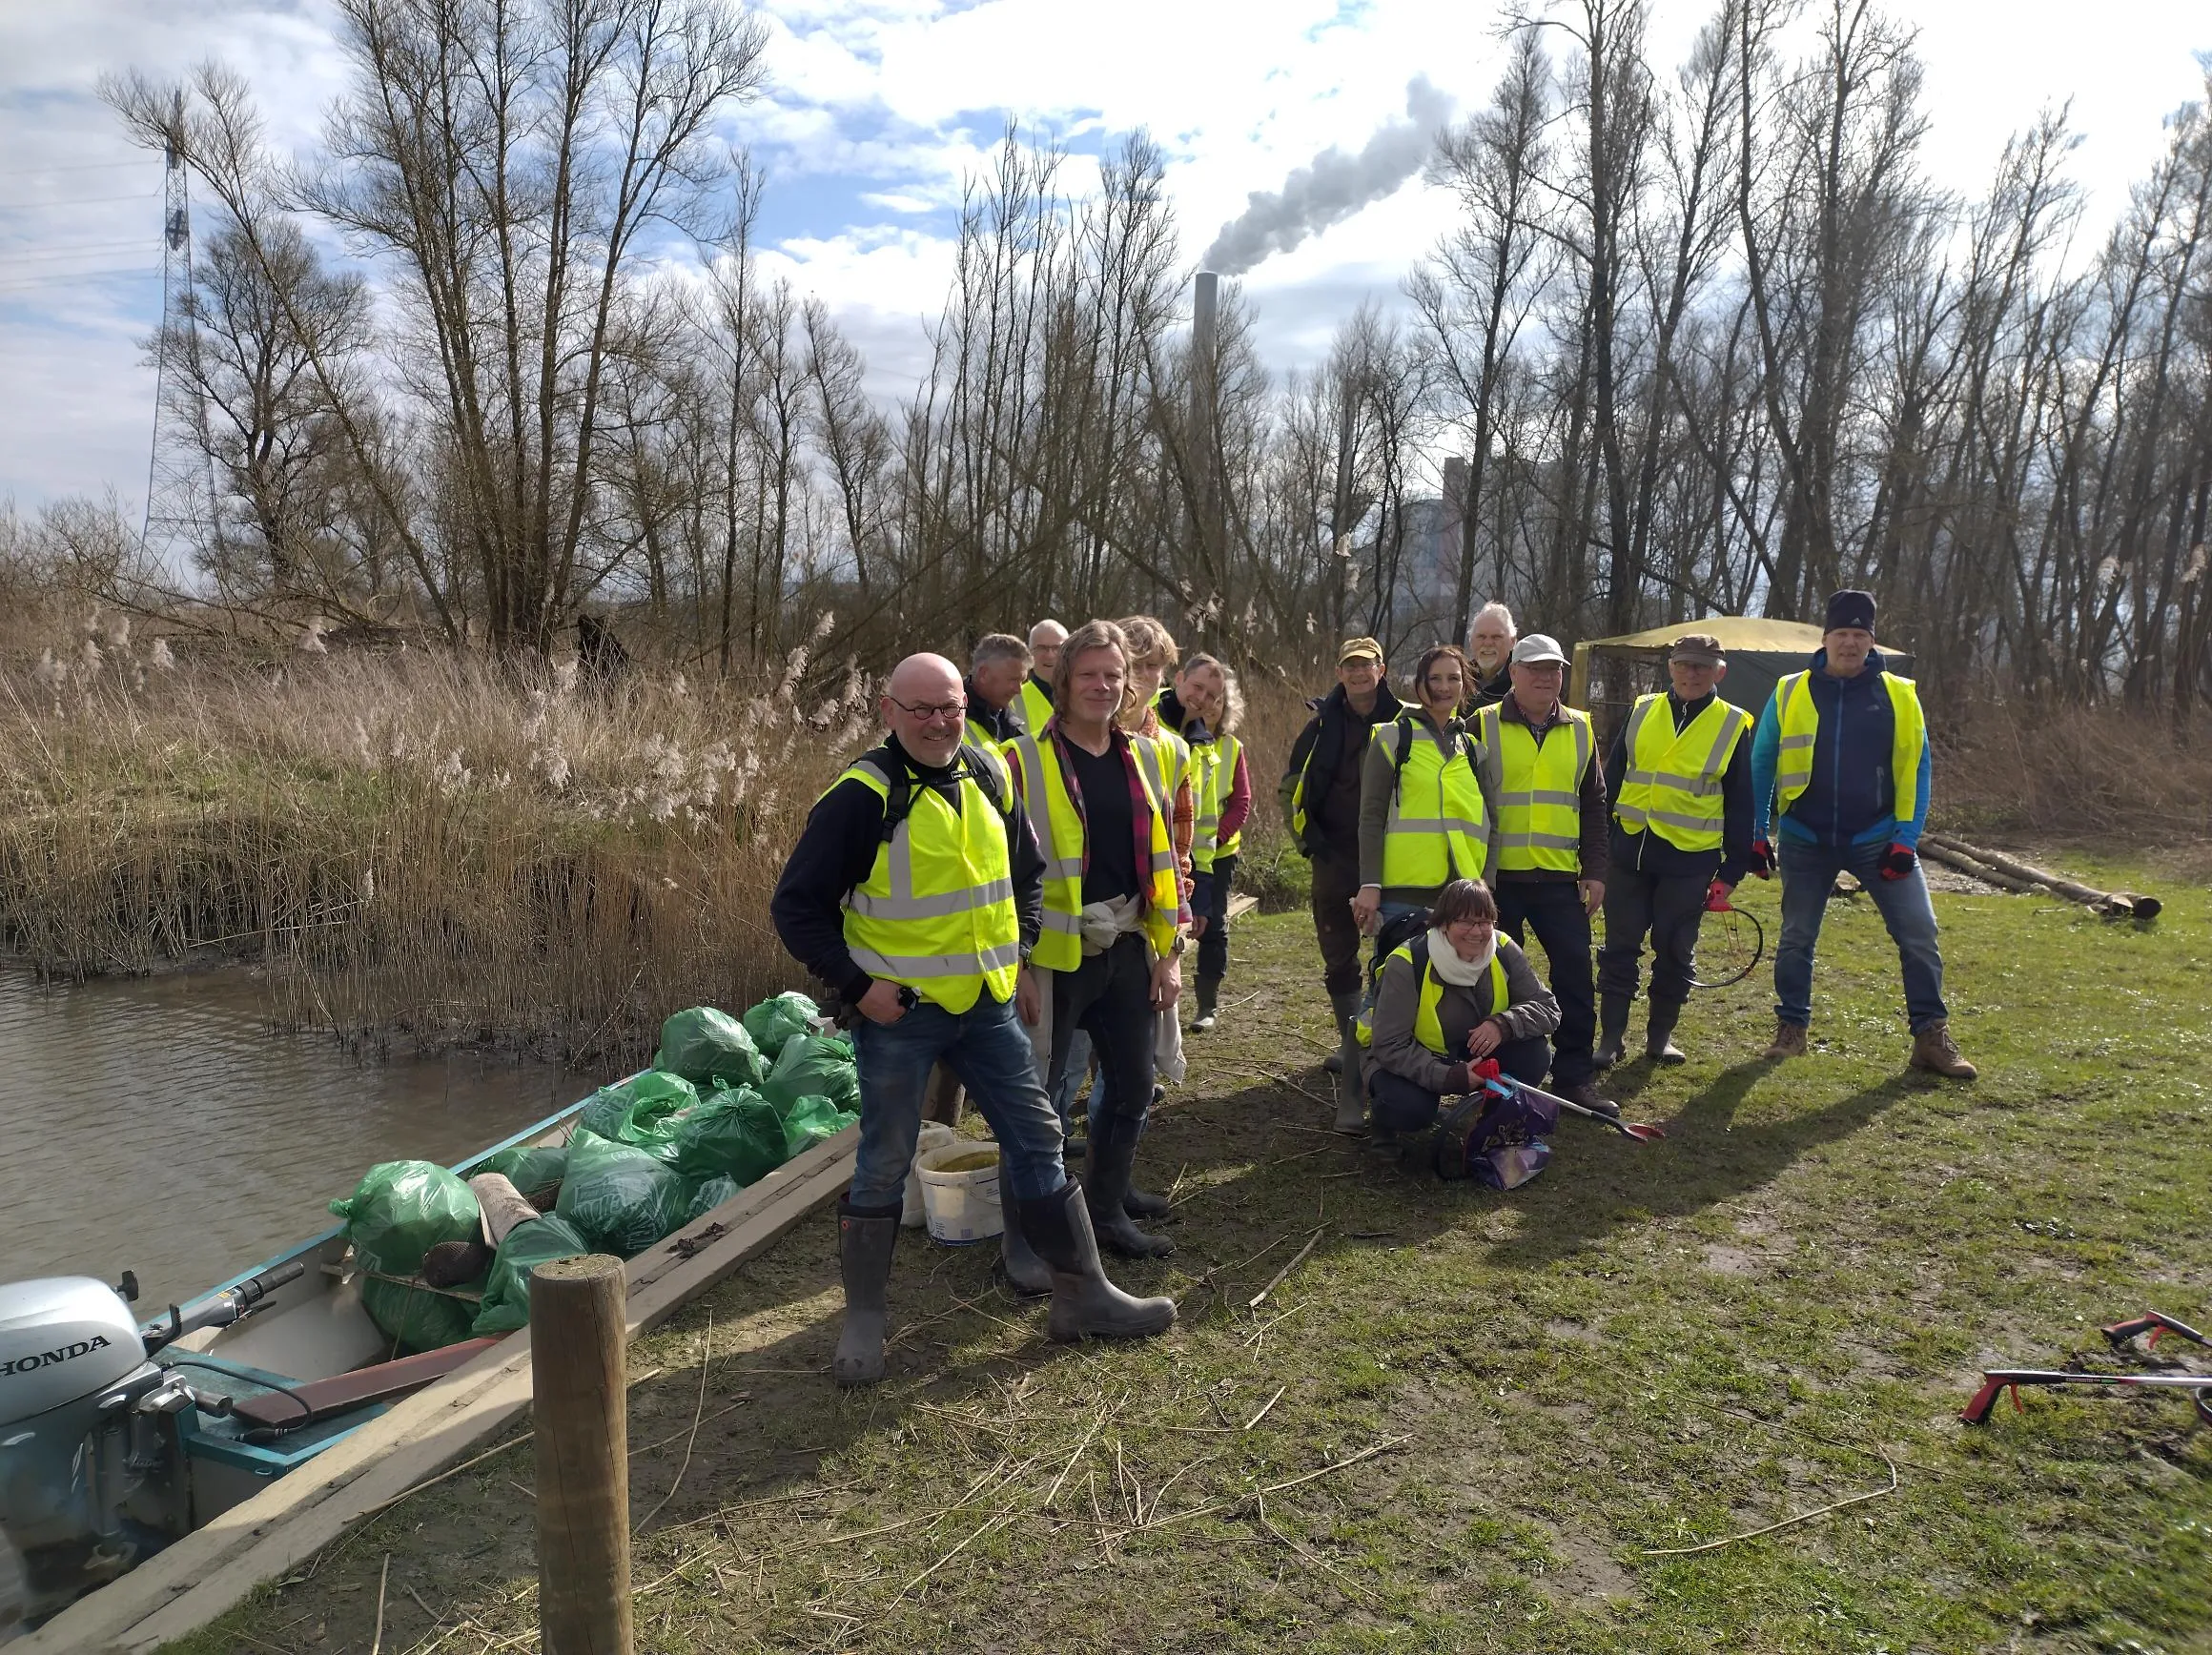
(1001, 893)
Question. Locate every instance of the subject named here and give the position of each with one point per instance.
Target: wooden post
(581, 1409)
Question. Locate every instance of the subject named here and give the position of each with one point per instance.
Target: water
(154, 1125)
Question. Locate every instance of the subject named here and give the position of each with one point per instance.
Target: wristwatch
(1182, 945)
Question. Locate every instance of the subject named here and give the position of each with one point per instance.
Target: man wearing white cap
(1540, 763)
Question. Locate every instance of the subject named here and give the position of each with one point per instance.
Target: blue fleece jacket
(1852, 798)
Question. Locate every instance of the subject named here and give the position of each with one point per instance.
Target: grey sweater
(1529, 1009)
(1379, 775)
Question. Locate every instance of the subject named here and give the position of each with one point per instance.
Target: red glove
(1486, 1070)
(1762, 859)
(1716, 897)
(1898, 861)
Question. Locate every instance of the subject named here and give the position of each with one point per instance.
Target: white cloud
(881, 110)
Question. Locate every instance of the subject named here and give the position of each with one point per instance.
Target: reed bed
(435, 848)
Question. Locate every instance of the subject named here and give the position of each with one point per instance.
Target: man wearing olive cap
(1680, 779)
(1319, 794)
(1841, 773)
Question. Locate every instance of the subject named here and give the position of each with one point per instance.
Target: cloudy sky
(879, 109)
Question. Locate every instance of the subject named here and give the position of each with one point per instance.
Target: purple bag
(1496, 1138)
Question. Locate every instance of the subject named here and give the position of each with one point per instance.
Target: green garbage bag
(773, 1022)
(809, 1120)
(402, 1209)
(815, 1066)
(737, 1131)
(619, 1198)
(506, 1298)
(415, 1317)
(705, 1046)
(529, 1167)
(632, 1112)
(710, 1194)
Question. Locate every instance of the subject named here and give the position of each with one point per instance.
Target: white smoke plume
(1333, 186)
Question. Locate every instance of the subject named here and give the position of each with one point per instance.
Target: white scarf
(1444, 960)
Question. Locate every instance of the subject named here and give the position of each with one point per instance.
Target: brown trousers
(1336, 880)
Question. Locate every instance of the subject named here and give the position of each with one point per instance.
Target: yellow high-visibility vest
(1540, 790)
(1438, 828)
(1227, 750)
(1797, 715)
(1672, 786)
(1036, 707)
(937, 910)
(1060, 836)
(1427, 1025)
(1206, 801)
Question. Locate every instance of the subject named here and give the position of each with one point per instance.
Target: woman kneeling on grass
(1451, 997)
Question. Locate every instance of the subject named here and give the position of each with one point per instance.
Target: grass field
(1469, 1420)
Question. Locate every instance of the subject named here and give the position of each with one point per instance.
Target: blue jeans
(1807, 875)
(986, 1047)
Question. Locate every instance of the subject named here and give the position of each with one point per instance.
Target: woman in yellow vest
(1107, 958)
(914, 893)
(1205, 707)
(1450, 998)
(1425, 819)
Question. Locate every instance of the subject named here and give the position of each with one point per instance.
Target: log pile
(2010, 874)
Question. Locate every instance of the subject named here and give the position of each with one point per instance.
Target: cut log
(1981, 871)
(2113, 904)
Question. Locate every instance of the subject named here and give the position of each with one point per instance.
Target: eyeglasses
(927, 711)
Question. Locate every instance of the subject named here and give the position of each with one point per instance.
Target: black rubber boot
(1209, 992)
(1085, 1304)
(865, 1238)
(1106, 1187)
(1025, 1272)
(1351, 1082)
(1613, 1028)
(1659, 1033)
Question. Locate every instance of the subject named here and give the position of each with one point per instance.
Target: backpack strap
(971, 765)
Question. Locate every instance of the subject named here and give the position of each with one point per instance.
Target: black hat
(1851, 609)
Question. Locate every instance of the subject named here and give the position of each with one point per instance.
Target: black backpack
(1407, 928)
(899, 804)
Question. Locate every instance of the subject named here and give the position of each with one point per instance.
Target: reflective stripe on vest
(1059, 835)
(1437, 829)
(1797, 717)
(1540, 791)
(937, 910)
(1673, 785)
(1427, 1025)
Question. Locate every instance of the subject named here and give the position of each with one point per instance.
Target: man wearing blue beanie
(1840, 776)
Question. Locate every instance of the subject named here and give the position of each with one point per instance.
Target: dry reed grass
(434, 847)
(2111, 775)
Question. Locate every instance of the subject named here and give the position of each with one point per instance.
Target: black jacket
(837, 848)
(1328, 754)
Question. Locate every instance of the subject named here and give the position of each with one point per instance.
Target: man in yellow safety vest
(1045, 639)
(1680, 779)
(1841, 766)
(917, 893)
(1540, 765)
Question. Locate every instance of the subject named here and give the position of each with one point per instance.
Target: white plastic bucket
(961, 1206)
(935, 1135)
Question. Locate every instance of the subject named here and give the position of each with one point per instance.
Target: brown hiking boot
(1585, 1093)
(1933, 1048)
(1788, 1041)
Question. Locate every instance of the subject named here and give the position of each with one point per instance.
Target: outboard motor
(85, 1416)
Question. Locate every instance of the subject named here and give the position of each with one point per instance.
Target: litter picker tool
(2153, 1322)
(1997, 1380)
(1643, 1131)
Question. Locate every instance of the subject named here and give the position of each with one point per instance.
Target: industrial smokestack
(1333, 185)
(1205, 407)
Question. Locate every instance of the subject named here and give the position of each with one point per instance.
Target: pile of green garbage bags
(726, 1102)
